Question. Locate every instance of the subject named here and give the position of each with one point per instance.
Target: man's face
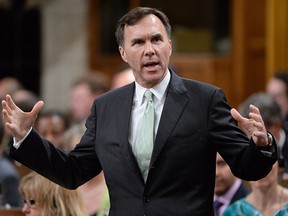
(224, 177)
(277, 89)
(80, 102)
(51, 128)
(147, 49)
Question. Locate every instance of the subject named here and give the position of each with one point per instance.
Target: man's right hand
(17, 122)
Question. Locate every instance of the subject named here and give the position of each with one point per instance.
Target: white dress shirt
(159, 91)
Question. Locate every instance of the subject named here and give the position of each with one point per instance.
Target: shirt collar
(158, 91)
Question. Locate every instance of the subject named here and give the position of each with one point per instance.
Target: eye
(157, 38)
(137, 42)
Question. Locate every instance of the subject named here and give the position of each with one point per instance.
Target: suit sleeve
(69, 170)
(246, 161)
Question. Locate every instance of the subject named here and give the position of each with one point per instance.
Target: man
(277, 87)
(53, 124)
(268, 196)
(192, 121)
(272, 116)
(122, 77)
(83, 92)
(228, 188)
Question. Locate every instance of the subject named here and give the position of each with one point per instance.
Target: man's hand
(253, 126)
(17, 122)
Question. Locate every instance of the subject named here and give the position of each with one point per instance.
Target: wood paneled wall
(277, 36)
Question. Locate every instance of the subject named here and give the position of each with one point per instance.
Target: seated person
(94, 192)
(44, 198)
(52, 124)
(9, 179)
(228, 188)
(267, 197)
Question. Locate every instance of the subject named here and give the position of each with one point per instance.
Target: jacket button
(146, 199)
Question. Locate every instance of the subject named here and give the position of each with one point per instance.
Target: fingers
(10, 102)
(236, 115)
(6, 110)
(5, 116)
(5, 106)
(255, 114)
(37, 108)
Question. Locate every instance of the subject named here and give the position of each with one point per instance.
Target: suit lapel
(123, 122)
(175, 103)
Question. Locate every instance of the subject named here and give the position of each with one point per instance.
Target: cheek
(35, 212)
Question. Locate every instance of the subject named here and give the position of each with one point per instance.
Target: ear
(122, 53)
(170, 42)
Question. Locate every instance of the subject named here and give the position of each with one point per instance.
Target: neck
(267, 200)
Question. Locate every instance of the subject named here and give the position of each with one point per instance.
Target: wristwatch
(269, 150)
(270, 139)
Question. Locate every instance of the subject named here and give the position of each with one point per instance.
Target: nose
(25, 208)
(217, 171)
(149, 50)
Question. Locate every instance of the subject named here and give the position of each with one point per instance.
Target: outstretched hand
(253, 126)
(17, 122)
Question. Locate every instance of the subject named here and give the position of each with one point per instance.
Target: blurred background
(234, 44)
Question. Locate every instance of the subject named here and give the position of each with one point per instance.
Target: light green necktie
(145, 136)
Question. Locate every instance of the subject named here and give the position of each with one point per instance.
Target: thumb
(37, 108)
(236, 115)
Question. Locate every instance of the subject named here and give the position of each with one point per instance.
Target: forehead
(148, 25)
(276, 85)
(46, 122)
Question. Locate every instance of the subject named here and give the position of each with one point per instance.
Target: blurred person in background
(43, 197)
(268, 196)
(9, 179)
(272, 116)
(277, 87)
(94, 192)
(123, 76)
(8, 85)
(228, 188)
(52, 124)
(25, 99)
(83, 92)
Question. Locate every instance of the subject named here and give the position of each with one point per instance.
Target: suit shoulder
(201, 86)
(121, 92)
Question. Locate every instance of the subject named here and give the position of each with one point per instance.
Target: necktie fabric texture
(217, 205)
(145, 136)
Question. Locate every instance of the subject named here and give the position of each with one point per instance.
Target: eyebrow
(136, 40)
(156, 36)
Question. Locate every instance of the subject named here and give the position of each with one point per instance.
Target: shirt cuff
(270, 150)
(16, 144)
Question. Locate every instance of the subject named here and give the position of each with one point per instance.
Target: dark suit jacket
(195, 123)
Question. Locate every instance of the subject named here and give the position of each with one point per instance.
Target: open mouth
(151, 64)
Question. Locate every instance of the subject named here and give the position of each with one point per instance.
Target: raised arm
(16, 121)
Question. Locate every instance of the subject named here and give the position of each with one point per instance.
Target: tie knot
(218, 204)
(148, 95)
